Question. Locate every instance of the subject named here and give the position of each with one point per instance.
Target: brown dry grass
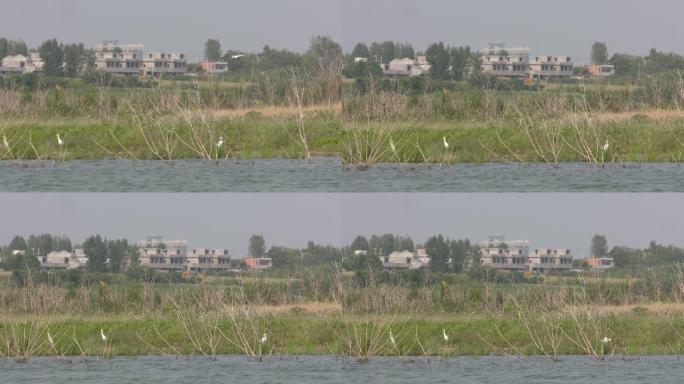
(273, 111)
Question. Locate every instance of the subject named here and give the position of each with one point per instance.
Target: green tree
(438, 56)
(285, 258)
(96, 250)
(74, 58)
(438, 249)
(18, 243)
(360, 243)
(323, 53)
(257, 246)
(212, 50)
(599, 53)
(599, 246)
(52, 54)
(360, 50)
(117, 250)
(459, 250)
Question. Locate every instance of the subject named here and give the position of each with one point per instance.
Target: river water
(328, 369)
(330, 175)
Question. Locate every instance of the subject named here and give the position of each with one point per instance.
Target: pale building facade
(496, 60)
(64, 260)
(158, 64)
(407, 67)
(406, 260)
(20, 64)
(515, 256)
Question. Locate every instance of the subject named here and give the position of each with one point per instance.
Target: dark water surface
(329, 175)
(326, 369)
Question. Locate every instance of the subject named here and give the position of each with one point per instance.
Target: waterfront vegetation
(325, 300)
(185, 119)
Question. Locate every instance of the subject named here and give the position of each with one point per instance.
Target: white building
(515, 255)
(173, 255)
(201, 260)
(20, 64)
(64, 260)
(407, 67)
(406, 260)
(516, 62)
(157, 64)
(121, 59)
(544, 67)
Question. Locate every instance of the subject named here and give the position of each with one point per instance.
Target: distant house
(600, 70)
(600, 263)
(546, 260)
(201, 260)
(544, 67)
(516, 62)
(407, 67)
(214, 67)
(20, 64)
(120, 59)
(173, 255)
(406, 260)
(156, 64)
(515, 256)
(64, 260)
(258, 263)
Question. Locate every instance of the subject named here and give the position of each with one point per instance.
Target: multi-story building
(201, 260)
(515, 255)
(64, 260)
(499, 61)
(544, 67)
(20, 64)
(508, 259)
(516, 62)
(406, 260)
(121, 59)
(165, 255)
(407, 67)
(157, 64)
(546, 260)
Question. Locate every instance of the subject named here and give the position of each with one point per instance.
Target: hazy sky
(227, 220)
(547, 26)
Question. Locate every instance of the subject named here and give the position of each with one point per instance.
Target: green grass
(256, 136)
(307, 333)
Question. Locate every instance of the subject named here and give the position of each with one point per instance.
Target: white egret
(606, 146)
(5, 142)
(394, 148)
(264, 339)
(236, 56)
(445, 336)
(102, 335)
(606, 340)
(52, 342)
(220, 142)
(446, 144)
(391, 336)
(59, 140)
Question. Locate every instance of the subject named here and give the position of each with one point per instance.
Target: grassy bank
(636, 138)
(637, 332)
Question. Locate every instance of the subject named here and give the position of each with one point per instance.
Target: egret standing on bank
(59, 140)
(446, 144)
(264, 339)
(102, 335)
(52, 342)
(5, 142)
(220, 142)
(606, 146)
(391, 336)
(445, 336)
